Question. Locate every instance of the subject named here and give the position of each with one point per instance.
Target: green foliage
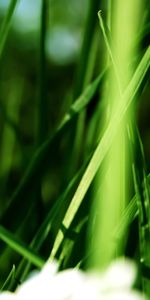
(52, 152)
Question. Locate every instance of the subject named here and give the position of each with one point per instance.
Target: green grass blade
(84, 75)
(86, 47)
(104, 145)
(42, 101)
(69, 242)
(87, 95)
(8, 279)
(20, 248)
(132, 207)
(6, 24)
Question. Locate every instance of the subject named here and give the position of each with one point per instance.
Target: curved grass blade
(8, 279)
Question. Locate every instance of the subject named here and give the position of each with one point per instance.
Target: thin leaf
(20, 248)
(42, 103)
(6, 24)
(8, 279)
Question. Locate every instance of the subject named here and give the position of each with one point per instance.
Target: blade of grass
(6, 24)
(70, 242)
(131, 211)
(120, 53)
(42, 103)
(84, 75)
(109, 14)
(8, 279)
(20, 248)
(107, 39)
(86, 47)
(104, 145)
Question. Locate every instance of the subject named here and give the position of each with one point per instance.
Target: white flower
(49, 284)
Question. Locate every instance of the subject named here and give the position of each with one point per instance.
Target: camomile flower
(73, 284)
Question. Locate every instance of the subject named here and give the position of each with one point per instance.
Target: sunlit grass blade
(20, 248)
(6, 24)
(115, 191)
(132, 207)
(104, 144)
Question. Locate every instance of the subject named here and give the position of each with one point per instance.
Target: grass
(79, 153)
(6, 24)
